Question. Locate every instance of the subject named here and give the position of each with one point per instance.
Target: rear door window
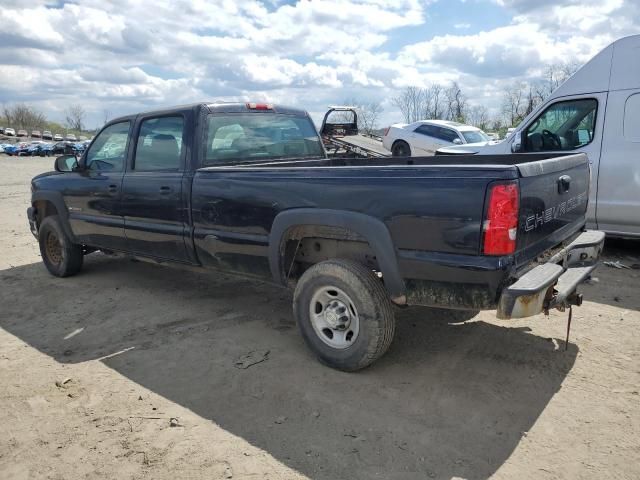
(428, 130)
(259, 136)
(159, 145)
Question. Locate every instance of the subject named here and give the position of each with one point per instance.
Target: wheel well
(400, 141)
(45, 209)
(306, 245)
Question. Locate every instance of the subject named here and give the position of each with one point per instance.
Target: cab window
(109, 149)
(265, 136)
(562, 126)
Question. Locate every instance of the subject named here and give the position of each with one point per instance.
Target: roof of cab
(216, 107)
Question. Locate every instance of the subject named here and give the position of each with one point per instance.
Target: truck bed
(493, 161)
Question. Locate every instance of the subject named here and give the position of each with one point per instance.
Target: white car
(424, 137)
(10, 132)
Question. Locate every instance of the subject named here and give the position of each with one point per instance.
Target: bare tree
(456, 103)
(74, 117)
(410, 102)
(512, 104)
(555, 75)
(479, 116)
(23, 116)
(106, 115)
(368, 115)
(437, 107)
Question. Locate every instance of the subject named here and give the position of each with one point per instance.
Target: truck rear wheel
(61, 257)
(344, 314)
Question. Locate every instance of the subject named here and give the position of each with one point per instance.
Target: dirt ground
(95, 370)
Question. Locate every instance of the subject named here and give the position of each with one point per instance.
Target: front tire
(401, 149)
(344, 314)
(61, 257)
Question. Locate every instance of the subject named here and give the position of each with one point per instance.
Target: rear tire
(61, 257)
(344, 314)
(401, 149)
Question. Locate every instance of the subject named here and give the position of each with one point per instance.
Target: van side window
(562, 126)
(159, 145)
(632, 118)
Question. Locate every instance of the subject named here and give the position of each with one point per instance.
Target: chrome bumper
(553, 284)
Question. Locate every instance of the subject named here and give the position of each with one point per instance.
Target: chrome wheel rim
(334, 317)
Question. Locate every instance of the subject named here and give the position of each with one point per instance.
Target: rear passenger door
(154, 201)
(423, 140)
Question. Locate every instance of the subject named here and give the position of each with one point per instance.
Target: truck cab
(597, 112)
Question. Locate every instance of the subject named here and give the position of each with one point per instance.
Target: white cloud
(126, 55)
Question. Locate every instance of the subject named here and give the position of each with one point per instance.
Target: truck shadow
(613, 286)
(446, 401)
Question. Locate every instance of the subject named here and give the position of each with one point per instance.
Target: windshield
(260, 136)
(475, 136)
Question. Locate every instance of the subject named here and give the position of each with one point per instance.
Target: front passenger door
(92, 193)
(423, 140)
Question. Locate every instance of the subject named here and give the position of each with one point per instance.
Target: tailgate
(553, 203)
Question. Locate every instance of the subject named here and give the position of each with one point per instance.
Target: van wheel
(61, 257)
(344, 314)
(401, 149)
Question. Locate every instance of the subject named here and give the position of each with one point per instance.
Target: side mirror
(66, 163)
(516, 143)
(457, 141)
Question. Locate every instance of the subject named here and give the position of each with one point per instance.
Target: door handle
(564, 182)
(165, 190)
(113, 188)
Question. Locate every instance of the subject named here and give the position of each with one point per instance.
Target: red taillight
(501, 224)
(259, 106)
(386, 130)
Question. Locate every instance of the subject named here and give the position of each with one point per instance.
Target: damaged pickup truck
(248, 189)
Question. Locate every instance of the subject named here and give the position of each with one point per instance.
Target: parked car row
(45, 135)
(43, 149)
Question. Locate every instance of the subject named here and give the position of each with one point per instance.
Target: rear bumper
(553, 284)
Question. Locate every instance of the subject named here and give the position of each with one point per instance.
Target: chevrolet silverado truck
(248, 189)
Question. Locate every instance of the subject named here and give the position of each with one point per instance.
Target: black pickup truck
(247, 188)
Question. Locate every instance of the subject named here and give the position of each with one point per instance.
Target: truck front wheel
(344, 314)
(61, 257)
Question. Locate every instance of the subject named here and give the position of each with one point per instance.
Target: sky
(125, 56)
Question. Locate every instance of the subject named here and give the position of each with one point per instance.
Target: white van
(596, 111)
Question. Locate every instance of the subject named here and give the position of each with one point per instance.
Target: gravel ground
(128, 370)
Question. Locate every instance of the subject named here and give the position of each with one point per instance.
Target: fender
(58, 201)
(370, 228)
